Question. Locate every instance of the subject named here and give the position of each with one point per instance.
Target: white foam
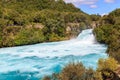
(49, 54)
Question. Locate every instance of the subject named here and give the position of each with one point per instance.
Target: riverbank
(33, 34)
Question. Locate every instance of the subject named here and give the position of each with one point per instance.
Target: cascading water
(34, 61)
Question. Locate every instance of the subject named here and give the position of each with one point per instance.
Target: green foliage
(108, 74)
(52, 14)
(95, 17)
(17, 35)
(3, 23)
(29, 36)
(8, 35)
(103, 33)
(109, 63)
(109, 33)
(75, 71)
(107, 67)
(83, 25)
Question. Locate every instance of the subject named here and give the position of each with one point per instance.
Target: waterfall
(34, 61)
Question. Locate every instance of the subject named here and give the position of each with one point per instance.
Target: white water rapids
(34, 61)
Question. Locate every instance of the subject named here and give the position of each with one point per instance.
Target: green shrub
(109, 63)
(75, 71)
(107, 67)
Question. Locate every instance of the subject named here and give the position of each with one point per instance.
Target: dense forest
(108, 32)
(25, 22)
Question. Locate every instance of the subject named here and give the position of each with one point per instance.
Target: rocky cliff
(73, 29)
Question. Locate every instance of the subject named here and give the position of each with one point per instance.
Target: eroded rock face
(73, 29)
(95, 24)
(36, 25)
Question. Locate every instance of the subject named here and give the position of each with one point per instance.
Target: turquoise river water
(34, 61)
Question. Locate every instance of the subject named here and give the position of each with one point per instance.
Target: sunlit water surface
(34, 61)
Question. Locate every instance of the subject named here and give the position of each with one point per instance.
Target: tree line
(33, 21)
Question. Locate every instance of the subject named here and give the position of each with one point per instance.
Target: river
(34, 61)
